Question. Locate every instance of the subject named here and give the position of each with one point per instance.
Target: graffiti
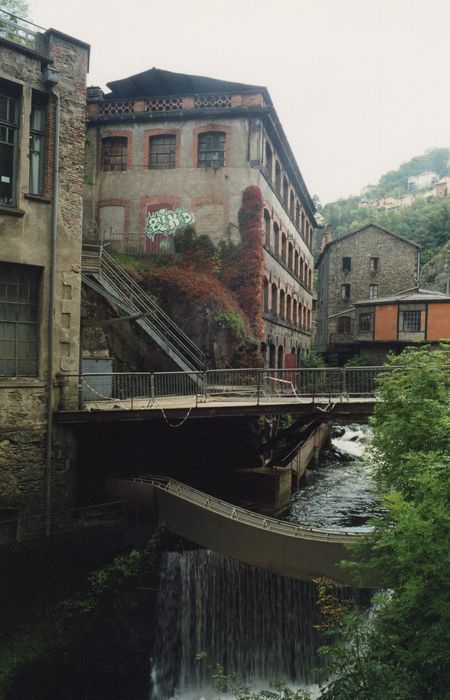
(167, 221)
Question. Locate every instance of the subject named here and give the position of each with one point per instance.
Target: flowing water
(254, 623)
(339, 493)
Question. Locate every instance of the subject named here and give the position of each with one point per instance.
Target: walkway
(274, 545)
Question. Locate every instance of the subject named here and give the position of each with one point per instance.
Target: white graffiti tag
(167, 221)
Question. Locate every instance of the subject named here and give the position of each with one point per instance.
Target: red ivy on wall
(246, 281)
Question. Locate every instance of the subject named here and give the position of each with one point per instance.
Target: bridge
(283, 548)
(343, 393)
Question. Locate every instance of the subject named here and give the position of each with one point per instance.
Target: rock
(337, 431)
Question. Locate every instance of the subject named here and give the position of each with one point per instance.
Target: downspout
(51, 314)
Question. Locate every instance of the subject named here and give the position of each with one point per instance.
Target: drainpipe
(51, 314)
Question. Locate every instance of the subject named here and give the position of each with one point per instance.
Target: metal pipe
(51, 314)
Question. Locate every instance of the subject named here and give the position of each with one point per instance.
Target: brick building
(368, 263)
(42, 135)
(168, 141)
(391, 323)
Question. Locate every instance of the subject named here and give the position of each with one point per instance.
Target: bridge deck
(283, 548)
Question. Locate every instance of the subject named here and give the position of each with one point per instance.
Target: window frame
(123, 156)
(348, 291)
(19, 346)
(374, 264)
(36, 133)
(407, 316)
(344, 325)
(9, 126)
(346, 263)
(172, 160)
(365, 322)
(210, 162)
(373, 291)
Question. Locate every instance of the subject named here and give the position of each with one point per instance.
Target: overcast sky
(360, 86)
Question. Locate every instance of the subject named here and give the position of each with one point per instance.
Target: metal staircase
(104, 275)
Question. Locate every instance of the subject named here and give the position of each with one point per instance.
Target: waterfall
(256, 624)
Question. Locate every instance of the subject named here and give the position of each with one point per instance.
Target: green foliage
(426, 221)
(232, 322)
(228, 683)
(19, 8)
(93, 645)
(404, 651)
(312, 359)
(355, 361)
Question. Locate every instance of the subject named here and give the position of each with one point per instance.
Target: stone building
(391, 323)
(42, 135)
(162, 142)
(368, 263)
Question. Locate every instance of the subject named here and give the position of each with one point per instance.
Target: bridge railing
(254, 386)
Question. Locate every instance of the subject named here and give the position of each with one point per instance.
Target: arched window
(269, 161)
(266, 228)
(276, 239)
(308, 319)
(283, 247)
(291, 204)
(274, 300)
(297, 215)
(296, 257)
(344, 325)
(280, 362)
(294, 312)
(265, 295)
(290, 255)
(309, 278)
(285, 191)
(211, 150)
(302, 272)
(272, 356)
(282, 303)
(288, 308)
(277, 177)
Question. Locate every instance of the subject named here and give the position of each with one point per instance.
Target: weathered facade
(168, 141)
(370, 262)
(42, 134)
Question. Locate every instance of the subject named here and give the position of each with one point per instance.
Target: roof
(410, 296)
(163, 82)
(358, 230)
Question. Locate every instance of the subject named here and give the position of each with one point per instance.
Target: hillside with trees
(426, 221)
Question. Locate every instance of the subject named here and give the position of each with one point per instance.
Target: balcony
(19, 31)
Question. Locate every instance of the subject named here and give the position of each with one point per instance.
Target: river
(256, 624)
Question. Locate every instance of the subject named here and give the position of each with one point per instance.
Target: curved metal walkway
(283, 548)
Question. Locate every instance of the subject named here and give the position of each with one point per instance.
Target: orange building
(391, 323)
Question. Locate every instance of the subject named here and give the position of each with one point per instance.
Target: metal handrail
(254, 386)
(243, 516)
(19, 31)
(97, 261)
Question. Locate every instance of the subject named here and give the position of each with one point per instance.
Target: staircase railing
(102, 273)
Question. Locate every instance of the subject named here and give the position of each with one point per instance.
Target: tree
(403, 652)
(19, 8)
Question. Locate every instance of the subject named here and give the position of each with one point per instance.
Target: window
(373, 264)
(162, 152)
(365, 323)
(18, 320)
(36, 152)
(211, 150)
(277, 177)
(343, 325)
(411, 321)
(269, 161)
(114, 153)
(266, 228)
(9, 126)
(346, 264)
(345, 291)
(373, 291)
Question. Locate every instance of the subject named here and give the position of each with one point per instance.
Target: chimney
(328, 237)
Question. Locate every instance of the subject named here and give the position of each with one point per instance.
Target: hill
(426, 221)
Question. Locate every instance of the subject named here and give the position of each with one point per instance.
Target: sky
(359, 86)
